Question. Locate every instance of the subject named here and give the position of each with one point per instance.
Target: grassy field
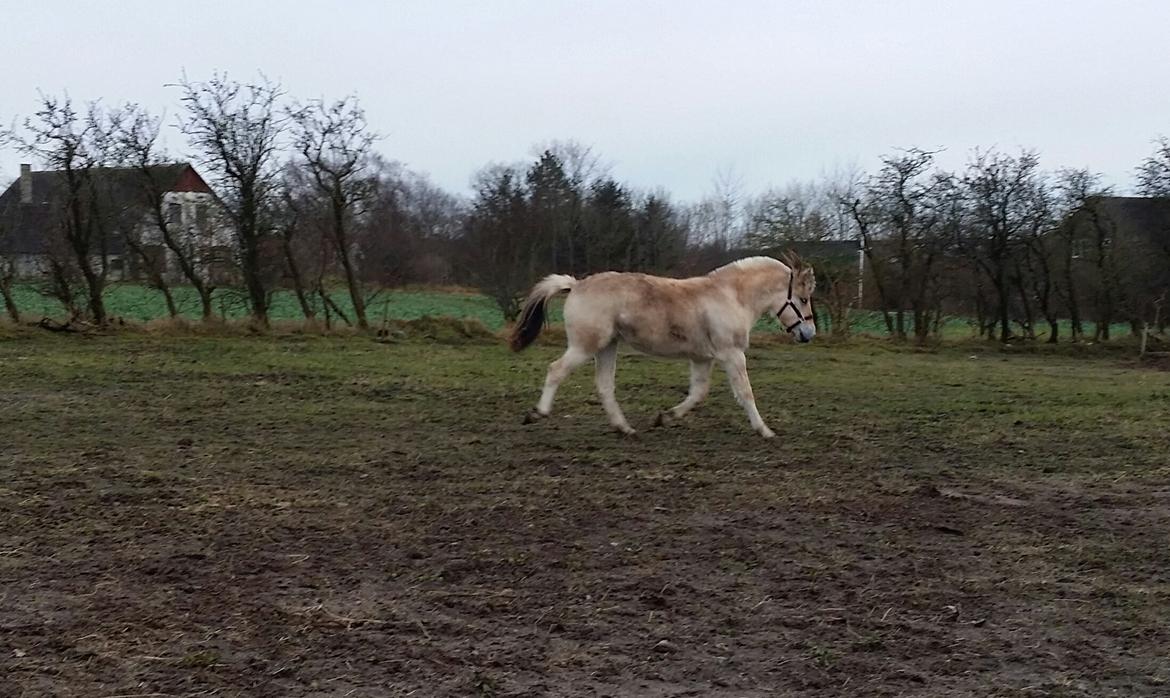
(315, 516)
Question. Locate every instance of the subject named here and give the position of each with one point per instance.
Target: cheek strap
(795, 308)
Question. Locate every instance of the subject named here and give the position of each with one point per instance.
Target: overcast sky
(670, 93)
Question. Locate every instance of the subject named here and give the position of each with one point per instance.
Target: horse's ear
(808, 277)
(792, 259)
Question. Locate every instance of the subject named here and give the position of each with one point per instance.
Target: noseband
(795, 308)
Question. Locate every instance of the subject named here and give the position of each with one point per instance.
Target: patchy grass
(322, 515)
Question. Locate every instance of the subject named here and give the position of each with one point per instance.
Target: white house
(33, 212)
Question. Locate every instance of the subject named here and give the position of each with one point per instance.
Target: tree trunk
(876, 271)
(1001, 289)
(980, 310)
(10, 302)
(921, 325)
(170, 300)
(205, 301)
(1042, 283)
(838, 311)
(1104, 319)
(93, 287)
(294, 271)
(351, 280)
(61, 288)
(1029, 320)
(303, 300)
(330, 304)
(253, 281)
(1074, 309)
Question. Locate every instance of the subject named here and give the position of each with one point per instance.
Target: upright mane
(749, 263)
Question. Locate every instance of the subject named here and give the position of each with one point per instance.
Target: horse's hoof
(625, 431)
(767, 433)
(664, 419)
(533, 416)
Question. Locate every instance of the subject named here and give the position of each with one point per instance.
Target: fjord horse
(704, 318)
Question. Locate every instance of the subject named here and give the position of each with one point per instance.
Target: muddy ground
(291, 517)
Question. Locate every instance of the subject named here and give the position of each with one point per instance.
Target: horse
(703, 318)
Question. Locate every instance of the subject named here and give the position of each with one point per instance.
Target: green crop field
(140, 304)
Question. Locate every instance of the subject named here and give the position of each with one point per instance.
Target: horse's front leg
(736, 365)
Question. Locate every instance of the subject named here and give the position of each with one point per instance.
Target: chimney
(26, 184)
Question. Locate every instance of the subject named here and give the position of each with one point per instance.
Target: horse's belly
(673, 349)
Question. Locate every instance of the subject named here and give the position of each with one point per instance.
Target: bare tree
(334, 142)
(905, 216)
(1154, 180)
(1036, 269)
(1154, 173)
(7, 266)
(236, 129)
(1076, 192)
(792, 214)
(76, 145)
(1102, 254)
(138, 142)
(999, 189)
(151, 259)
(290, 224)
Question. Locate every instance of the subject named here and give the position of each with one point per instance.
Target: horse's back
(654, 314)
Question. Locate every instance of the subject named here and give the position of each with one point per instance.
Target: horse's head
(794, 308)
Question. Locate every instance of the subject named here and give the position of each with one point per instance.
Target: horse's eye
(804, 301)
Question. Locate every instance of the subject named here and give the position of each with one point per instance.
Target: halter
(788, 303)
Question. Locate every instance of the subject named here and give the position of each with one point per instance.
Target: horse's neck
(757, 287)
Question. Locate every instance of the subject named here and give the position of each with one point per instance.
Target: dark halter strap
(795, 308)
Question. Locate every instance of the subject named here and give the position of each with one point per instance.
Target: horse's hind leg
(606, 362)
(700, 385)
(736, 365)
(557, 372)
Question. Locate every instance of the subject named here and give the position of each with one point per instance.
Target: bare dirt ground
(336, 517)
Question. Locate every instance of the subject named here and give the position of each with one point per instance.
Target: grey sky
(670, 93)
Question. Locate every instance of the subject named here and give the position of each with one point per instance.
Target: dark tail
(532, 315)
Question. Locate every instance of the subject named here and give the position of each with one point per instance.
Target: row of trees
(1011, 245)
(563, 213)
(307, 200)
(312, 206)
(1019, 250)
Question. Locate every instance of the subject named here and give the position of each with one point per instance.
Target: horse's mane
(790, 259)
